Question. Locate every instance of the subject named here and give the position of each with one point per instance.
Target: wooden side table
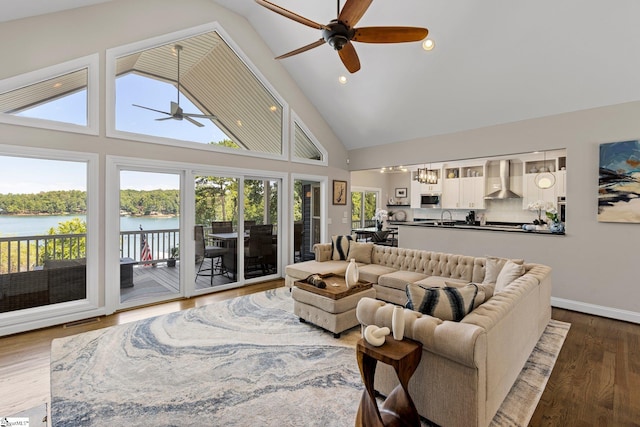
(398, 408)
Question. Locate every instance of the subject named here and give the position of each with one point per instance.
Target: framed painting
(339, 192)
(401, 192)
(619, 182)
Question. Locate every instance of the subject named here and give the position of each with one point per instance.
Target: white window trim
(295, 119)
(91, 63)
(114, 53)
(54, 314)
(324, 207)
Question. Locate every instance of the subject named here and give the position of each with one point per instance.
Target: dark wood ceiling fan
(340, 32)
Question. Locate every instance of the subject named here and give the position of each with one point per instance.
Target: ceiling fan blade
(302, 49)
(201, 116)
(352, 11)
(389, 34)
(152, 109)
(193, 121)
(164, 118)
(288, 14)
(349, 57)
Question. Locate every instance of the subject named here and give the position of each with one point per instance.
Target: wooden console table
(398, 408)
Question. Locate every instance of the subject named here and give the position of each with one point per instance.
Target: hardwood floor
(595, 382)
(596, 379)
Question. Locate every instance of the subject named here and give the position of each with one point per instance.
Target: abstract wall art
(619, 182)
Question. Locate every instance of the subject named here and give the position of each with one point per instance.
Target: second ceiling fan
(340, 32)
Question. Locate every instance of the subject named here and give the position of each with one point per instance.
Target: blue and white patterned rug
(245, 361)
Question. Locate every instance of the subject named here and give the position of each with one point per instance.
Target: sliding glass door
(149, 237)
(363, 207)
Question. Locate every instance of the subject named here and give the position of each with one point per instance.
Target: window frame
(53, 314)
(295, 120)
(112, 56)
(91, 63)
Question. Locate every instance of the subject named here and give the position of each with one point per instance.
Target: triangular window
(306, 148)
(56, 97)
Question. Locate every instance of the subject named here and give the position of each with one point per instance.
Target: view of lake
(36, 225)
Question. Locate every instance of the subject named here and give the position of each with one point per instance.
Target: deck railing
(27, 253)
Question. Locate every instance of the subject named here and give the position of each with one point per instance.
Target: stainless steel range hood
(504, 192)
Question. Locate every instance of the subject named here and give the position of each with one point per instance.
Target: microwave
(429, 200)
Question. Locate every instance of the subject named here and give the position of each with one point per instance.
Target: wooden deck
(161, 281)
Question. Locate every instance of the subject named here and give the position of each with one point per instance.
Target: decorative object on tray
(397, 323)
(375, 335)
(351, 275)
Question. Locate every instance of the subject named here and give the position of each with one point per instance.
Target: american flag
(145, 252)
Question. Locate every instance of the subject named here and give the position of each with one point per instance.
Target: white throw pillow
(510, 272)
(493, 267)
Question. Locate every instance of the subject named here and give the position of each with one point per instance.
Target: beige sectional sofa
(467, 367)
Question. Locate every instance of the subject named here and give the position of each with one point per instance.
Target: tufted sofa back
(430, 263)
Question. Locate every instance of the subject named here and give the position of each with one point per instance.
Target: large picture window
(195, 89)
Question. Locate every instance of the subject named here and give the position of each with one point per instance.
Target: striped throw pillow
(340, 247)
(444, 303)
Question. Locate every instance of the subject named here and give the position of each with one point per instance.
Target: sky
(17, 174)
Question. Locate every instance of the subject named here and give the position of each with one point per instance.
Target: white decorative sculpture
(375, 335)
(397, 323)
(351, 275)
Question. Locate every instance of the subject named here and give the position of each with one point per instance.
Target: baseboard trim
(598, 310)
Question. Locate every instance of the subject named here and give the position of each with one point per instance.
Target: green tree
(73, 246)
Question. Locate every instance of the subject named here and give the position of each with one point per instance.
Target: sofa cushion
(372, 272)
(340, 247)
(440, 282)
(493, 267)
(444, 303)
(399, 279)
(360, 251)
(510, 272)
(302, 270)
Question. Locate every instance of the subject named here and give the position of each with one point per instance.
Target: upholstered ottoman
(332, 308)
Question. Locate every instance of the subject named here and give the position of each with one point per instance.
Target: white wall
(594, 265)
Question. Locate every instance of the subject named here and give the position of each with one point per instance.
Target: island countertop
(489, 226)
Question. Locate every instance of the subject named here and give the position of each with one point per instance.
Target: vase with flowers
(540, 206)
(556, 225)
(380, 216)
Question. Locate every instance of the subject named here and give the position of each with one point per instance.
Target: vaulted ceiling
(495, 61)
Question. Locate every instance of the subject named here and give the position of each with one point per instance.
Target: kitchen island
(490, 226)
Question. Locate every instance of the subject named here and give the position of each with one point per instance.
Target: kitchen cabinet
(415, 193)
(450, 189)
(472, 192)
(464, 188)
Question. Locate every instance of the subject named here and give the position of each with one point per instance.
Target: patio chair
(204, 252)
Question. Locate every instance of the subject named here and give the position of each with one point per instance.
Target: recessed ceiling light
(273, 108)
(428, 44)
(342, 80)
(239, 123)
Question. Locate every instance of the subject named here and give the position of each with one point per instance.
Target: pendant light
(545, 179)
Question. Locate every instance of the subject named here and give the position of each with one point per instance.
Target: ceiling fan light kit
(341, 32)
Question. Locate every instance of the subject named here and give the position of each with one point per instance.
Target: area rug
(245, 361)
